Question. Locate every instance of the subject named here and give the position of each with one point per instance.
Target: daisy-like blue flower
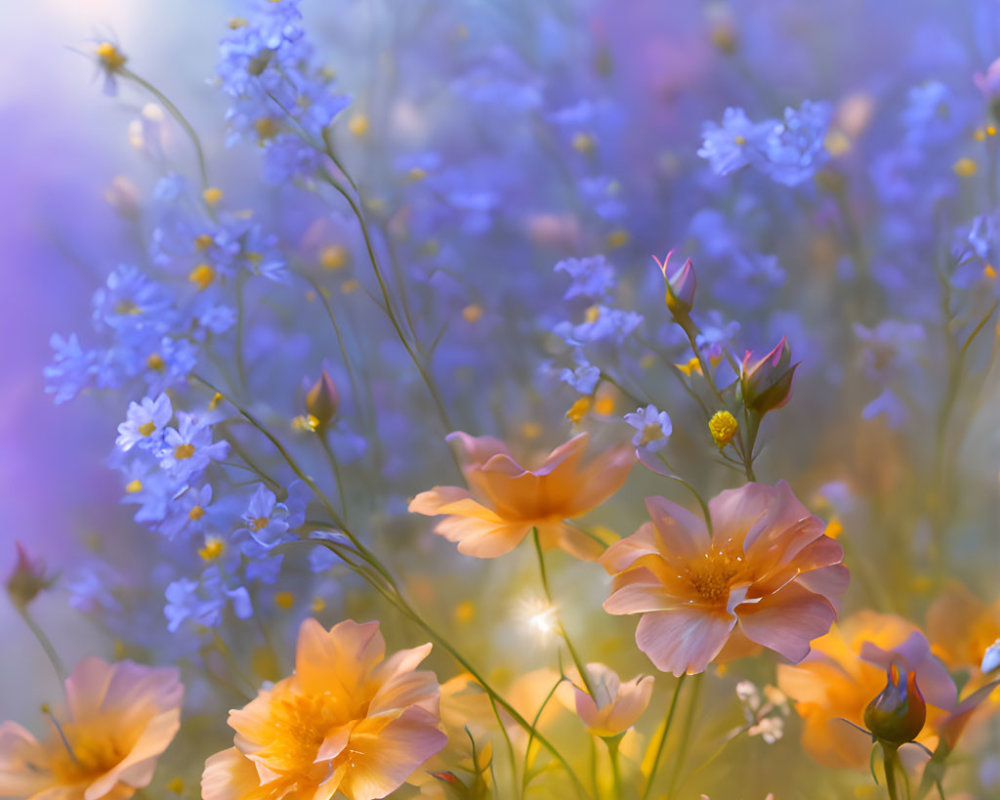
(187, 512)
(145, 423)
(583, 377)
(592, 278)
(653, 428)
(735, 143)
(795, 148)
(204, 601)
(188, 448)
(269, 521)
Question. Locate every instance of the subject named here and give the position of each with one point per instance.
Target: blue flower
(189, 448)
(653, 428)
(72, 370)
(269, 521)
(795, 148)
(592, 278)
(602, 324)
(583, 377)
(204, 601)
(734, 144)
(144, 423)
(187, 512)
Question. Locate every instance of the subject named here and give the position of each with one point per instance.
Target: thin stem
(675, 772)
(663, 737)
(175, 112)
(577, 661)
(510, 744)
(531, 733)
(889, 760)
(616, 770)
(45, 642)
(335, 468)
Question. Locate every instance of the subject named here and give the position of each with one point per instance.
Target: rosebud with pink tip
(766, 383)
(323, 400)
(681, 285)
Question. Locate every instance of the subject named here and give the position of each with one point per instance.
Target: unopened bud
(898, 714)
(323, 400)
(766, 384)
(681, 285)
(27, 580)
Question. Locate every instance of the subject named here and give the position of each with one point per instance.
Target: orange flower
(119, 718)
(847, 670)
(615, 706)
(768, 577)
(961, 627)
(348, 719)
(506, 500)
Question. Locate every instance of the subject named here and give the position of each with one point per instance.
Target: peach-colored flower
(348, 719)
(961, 627)
(118, 720)
(846, 670)
(615, 706)
(768, 576)
(505, 500)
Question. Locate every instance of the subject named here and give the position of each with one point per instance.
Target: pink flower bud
(989, 82)
(681, 285)
(27, 580)
(767, 382)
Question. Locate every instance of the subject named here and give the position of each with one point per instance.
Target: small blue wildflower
(269, 521)
(72, 370)
(735, 143)
(189, 448)
(583, 377)
(204, 601)
(602, 324)
(653, 428)
(592, 277)
(186, 512)
(795, 148)
(144, 423)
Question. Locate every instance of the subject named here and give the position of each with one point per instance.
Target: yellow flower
(349, 720)
(118, 720)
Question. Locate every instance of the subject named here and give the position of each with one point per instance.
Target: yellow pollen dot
(260, 522)
(133, 486)
(593, 313)
(214, 402)
(465, 612)
(318, 604)
(723, 427)
(605, 405)
(584, 143)
(989, 271)
(965, 167)
(724, 38)
(740, 140)
(531, 430)
(836, 143)
(284, 600)
(834, 528)
(235, 23)
(127, 308)
(176, 786)
(202, 276)
(617, 238)
(991, 130)
(266, 128)
(333, 256)
(305, 422)
(110, 55)
(214, 547)
(579, 409)
(713, 575)
(212, 196)
(349, 287)
(254, 257)
(416, 174)
(155, 362)
(203, 241)
(472, 313)
(147, 428)
(979, 135)
(196, 513)
(358, 125)
(183, 451)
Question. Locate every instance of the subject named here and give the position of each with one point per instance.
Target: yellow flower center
(214, 547)
(147, 428)
(202, 276)
(183, 451)
(110, 56)
(260, 522)
(155, 362)
(203, 241)
(714, 573)
(133, 486)
(196, 513)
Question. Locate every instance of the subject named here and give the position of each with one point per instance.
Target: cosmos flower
(144, 422)
(349, 720)
(505, 501)
(119, 719)
(768, 576)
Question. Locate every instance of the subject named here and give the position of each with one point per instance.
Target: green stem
(175, 112)
(577, 661)
(890, 759)
(616, 770)
(675, 772)
(335, 469)
(663, 738)
(45, 642)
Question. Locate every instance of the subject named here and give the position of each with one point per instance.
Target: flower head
(768, 577)
(615, 706)
(681, 285)
(766, 382)
(348, 719)
(27, 580)
(897, 715)
(653, 428)
(119, 718)
(145, 423)
(323, 400)
(505, 500)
